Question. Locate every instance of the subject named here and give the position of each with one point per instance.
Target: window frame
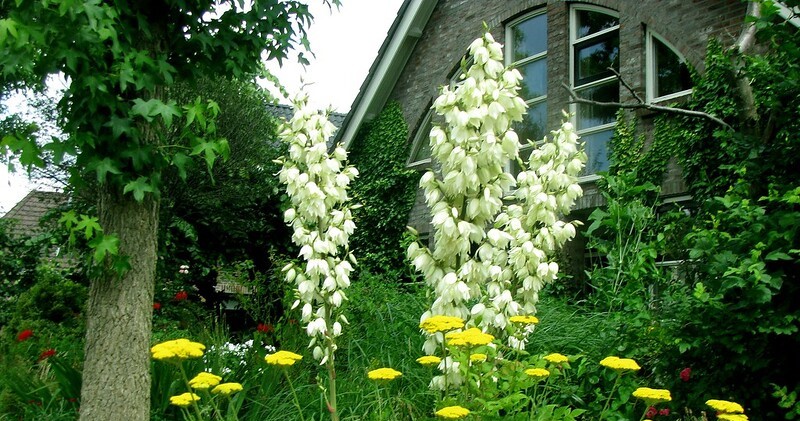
(421, 136)
(574, 43)
(527, 145)
(651, 71)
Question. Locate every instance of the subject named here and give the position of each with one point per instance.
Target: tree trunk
(116, 370)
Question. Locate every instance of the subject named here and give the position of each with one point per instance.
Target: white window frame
(526, 145)
(573, 41)
(421, 136)
(651, 71)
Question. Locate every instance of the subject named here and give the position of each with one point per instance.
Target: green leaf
(104, 245)
(139, 187)
(89, 226)
(105, 166)
(181, 161)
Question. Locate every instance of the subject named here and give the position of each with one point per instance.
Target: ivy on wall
(385, 188)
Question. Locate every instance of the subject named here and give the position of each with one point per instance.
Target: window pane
(524, 154)
(530, 37)
(672, 75)
(423, 150)
(591, 22)
(593, 60)
(534, 123)
(593, 115)
(596, 147)
(534, 79)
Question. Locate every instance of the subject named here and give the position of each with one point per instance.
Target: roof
(385, 70)
(286, 112)
(29, 211)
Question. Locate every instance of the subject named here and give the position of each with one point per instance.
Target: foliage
(385, 188)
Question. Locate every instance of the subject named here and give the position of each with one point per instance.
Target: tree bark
(116, 374)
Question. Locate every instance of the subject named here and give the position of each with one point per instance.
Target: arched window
(594, 41)
(666, 72)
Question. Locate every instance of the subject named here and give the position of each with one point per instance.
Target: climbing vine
(385, 188)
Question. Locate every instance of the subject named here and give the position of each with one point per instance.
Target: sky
(345, 42)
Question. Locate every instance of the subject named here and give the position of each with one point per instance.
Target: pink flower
(181, 295)
(651, 412)
(47, 354)
(664, 412)
(686, 374)
(24, 335)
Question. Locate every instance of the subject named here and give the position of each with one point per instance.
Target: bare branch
(743, 44)
(625, 84)
(575, 99)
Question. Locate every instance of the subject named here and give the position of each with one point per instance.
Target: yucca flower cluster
(490, 260)
(321, 218)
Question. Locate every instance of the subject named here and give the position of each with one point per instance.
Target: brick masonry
(454, 24)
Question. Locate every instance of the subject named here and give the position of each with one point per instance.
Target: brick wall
(454, 24)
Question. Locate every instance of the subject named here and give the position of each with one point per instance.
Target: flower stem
(294, 395)
(608, 401)
(189, 387)
(332, 383)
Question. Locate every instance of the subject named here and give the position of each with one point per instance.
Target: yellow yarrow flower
(652, 396)
(732, 417)
(435, 324)
(183, 400)
(204, 381)
(620, 364)
(725, 407)
(556, 358)
(537, 373)
(177, 350)
(479, 358)
(227, 389)
(283, 358)
(527, 320)
(384, 374)
(469, 337)
(452, 412)
(429, 360)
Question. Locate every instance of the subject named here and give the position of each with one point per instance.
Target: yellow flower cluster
(725, 407)
(429, 360)
(204, 381)
(732, 417)
(469, 337)
(177, 350)
(527, 320)
(620, 364)
(537, 373)
(384, 374)
(227, 389)
(435, 324)
(478, 358)
(183, 400)
(652, 396)
(283, 358)
(452, 412)
(556, 358)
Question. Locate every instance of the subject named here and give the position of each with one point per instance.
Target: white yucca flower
(321, 218)
(490, 260)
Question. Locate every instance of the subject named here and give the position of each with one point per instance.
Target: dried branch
(575, 99)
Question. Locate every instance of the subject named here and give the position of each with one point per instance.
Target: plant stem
(294, 395)
(188, 386)
(608, 401)
(332, 383)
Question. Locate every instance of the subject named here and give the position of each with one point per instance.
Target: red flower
(156, 306)
(47, 354)
(181, 295)
(265, 328)
(664, 412)
(292, 321)
(651, 412)
(25, 335)
(686, 374)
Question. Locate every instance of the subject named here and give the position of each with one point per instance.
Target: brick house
(553, 43)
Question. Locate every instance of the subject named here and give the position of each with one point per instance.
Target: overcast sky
(345, 43)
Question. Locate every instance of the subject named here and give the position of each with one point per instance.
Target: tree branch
(746, 40)
(575, 99)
